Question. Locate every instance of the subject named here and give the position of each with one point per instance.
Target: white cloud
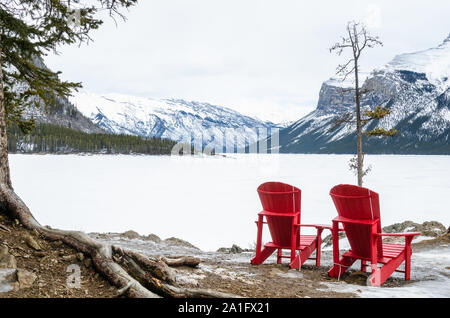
(256, 56)
(373, 18)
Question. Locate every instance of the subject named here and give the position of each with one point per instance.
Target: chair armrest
(261, 222)
(408, 236)
(288, 215)
(319, 226)
(355, 221)
(399, 234)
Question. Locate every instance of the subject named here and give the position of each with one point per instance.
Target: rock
(233, 249)
(430, 228)
(6, 259)
(87, 262)
(16, 286)
(130, 234)
(31, 242)
(236, 249)
(328, 240)
(25, 278)
(179, 242)
(8, 277)
(152, 237)
(80, 256)
(39, 254)
(69, 258)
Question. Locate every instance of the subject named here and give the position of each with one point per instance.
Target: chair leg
(258, 257)
(318, 255)
(363, 266)
(279, 256)
(380, 275)
(319, 247)
(297, 262)
(262, 255)
(303, 256)
(408, 253)
(339, 268)
(408, 265)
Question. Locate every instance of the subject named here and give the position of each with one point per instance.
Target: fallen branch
(182, 261)
(4, 228)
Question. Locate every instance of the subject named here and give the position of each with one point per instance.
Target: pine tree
(29, 29)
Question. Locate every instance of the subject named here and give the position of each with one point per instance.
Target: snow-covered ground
(212, 202)
(430, 275)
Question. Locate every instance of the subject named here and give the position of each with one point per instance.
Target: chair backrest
(280, 197)
(359, 203)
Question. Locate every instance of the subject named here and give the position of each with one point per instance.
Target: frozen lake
(212, 202)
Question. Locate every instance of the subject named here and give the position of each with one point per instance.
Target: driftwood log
(135, 275)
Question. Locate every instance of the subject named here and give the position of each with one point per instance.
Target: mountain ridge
(175, 119)
(414, 86)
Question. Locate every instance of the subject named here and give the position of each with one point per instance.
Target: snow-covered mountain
(175, 119)
(62, 113)
(414, 86)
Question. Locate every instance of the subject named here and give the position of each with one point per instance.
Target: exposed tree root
(134, 274)
(157, 269)
(160, 286)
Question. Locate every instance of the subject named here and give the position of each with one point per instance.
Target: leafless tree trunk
(358, 39)
(359, 150)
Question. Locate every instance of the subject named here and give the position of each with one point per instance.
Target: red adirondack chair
(359, 212)
(282, 210)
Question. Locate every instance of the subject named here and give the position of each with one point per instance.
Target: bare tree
(356, 40)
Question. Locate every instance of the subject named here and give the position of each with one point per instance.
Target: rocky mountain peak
(414, 86)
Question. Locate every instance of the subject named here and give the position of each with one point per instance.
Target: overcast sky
(261, 57)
